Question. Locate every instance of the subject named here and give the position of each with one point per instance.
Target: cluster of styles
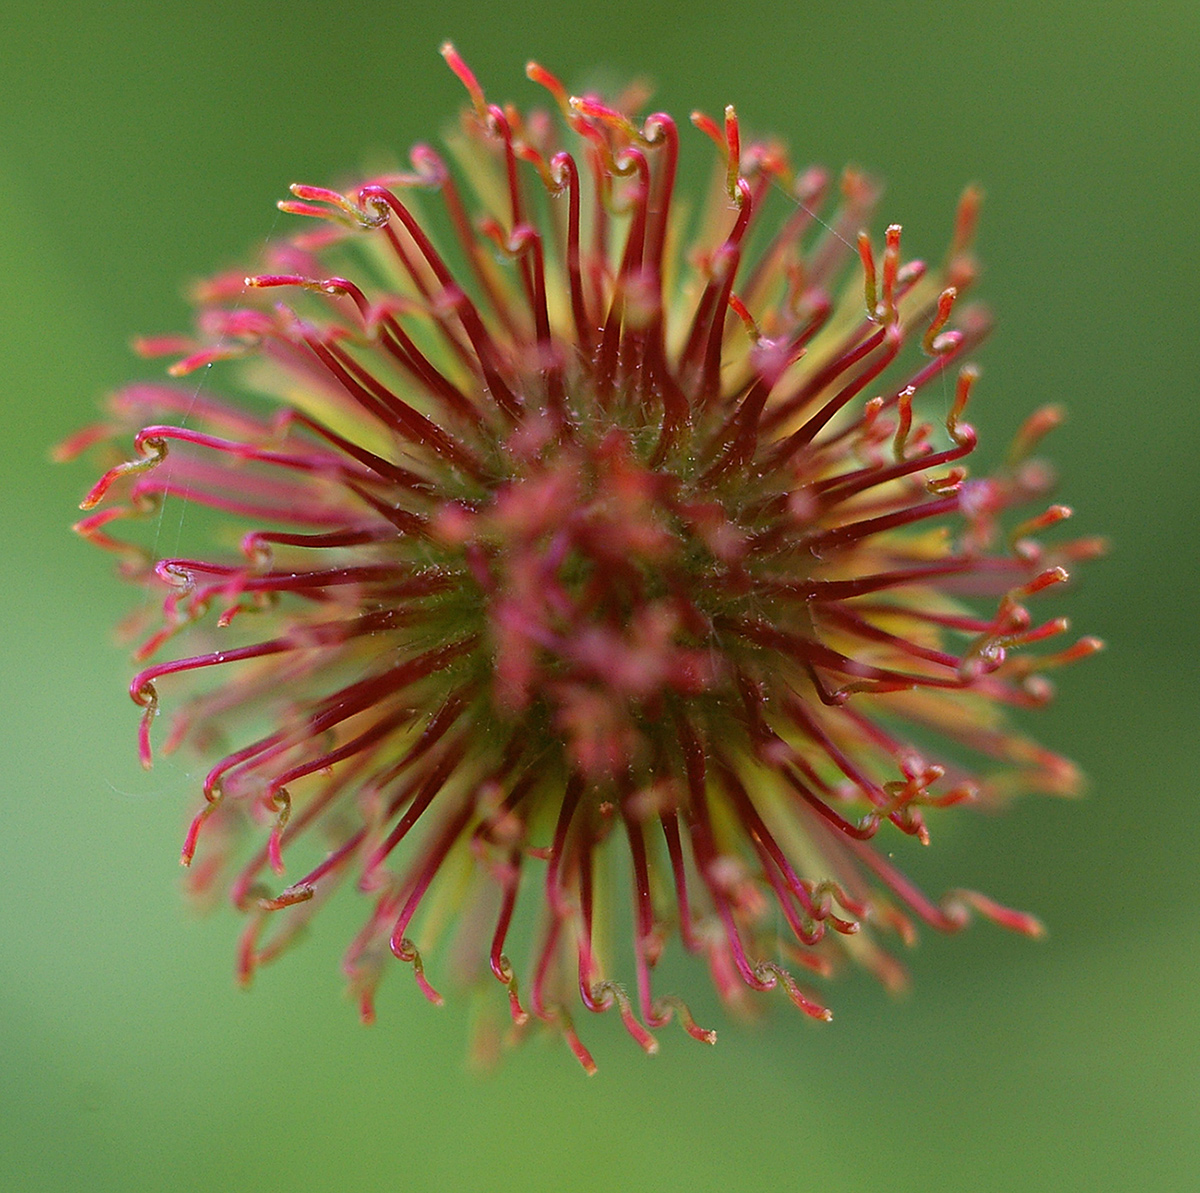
(600, 586)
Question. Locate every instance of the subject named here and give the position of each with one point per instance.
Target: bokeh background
(143, 144)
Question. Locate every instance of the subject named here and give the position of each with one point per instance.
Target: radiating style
(581, 577)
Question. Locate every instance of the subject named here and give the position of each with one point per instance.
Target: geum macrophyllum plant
(591, 545)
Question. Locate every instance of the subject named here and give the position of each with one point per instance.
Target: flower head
(585, 543)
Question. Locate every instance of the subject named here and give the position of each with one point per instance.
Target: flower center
(605, 590)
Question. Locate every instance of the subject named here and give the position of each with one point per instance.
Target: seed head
(587, 543)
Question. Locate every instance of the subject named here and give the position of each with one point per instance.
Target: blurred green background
(145, 144)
